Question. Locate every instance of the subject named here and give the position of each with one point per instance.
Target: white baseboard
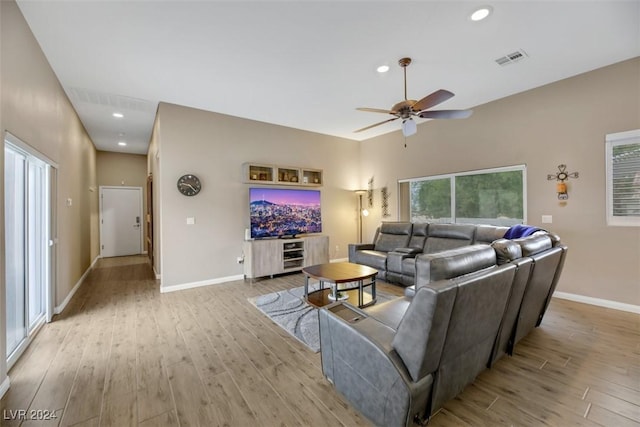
(59, 309)
(339, 260)
(599, 302)
(191, 285)
(4, 387)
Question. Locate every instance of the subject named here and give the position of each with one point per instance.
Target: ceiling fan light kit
(409, 127)
(410, 108)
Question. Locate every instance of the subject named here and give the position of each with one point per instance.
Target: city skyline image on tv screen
(278, 212)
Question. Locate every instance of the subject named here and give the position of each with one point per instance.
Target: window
(28, 255)
(623, 178)
(490, 196)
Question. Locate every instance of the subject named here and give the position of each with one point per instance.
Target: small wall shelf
(254, 173)
(257, 173)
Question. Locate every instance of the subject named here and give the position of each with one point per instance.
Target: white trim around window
(623, 170)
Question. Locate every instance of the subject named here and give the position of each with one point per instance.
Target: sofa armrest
(354, 247)
(410, 252)
(394, 259)
(357, 357)
(347, 332)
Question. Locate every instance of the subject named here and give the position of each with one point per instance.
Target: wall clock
(189, 185)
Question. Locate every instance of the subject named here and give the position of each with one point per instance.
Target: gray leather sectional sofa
(470, 304)
(396, 244)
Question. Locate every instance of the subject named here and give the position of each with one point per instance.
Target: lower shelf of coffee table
(321, 298)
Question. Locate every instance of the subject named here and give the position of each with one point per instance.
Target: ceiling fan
(410, 108)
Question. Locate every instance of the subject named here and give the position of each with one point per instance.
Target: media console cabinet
(268, 257)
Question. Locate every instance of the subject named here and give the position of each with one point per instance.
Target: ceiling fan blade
(377, 124)
(445, 114)
(432, 100)
(374, 110)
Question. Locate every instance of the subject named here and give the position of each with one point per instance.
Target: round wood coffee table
(351, 276)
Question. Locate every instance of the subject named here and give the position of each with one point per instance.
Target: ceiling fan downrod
(404, 63)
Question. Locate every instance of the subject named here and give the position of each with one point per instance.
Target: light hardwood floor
(123, 354)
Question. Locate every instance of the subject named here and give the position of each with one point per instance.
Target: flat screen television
(284, 212)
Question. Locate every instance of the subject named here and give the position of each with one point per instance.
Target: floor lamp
(361, 213)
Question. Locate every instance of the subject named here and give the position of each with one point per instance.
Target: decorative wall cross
(561, 176)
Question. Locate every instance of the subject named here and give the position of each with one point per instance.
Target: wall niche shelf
(255, 173)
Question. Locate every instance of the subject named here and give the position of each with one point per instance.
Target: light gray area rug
(292, 313)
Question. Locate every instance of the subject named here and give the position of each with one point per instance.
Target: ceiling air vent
(109, 100)
(516, 56)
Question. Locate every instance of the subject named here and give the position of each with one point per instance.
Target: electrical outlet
(547, 219)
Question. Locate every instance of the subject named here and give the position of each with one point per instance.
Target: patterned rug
(291, 312)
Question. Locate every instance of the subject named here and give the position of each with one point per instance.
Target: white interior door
(120, 221)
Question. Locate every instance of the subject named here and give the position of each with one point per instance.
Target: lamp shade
(409, 127)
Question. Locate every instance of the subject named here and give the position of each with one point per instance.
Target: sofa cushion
(555, 239)
(448, 236)
(393, 235)
(391, 312)
(453, 263)
(409, 266)
(375, 259)
(488, 233)
(535, 244)
(506, 250)
(472, 329)
(418, 235)
(534, 300)
(420, 336)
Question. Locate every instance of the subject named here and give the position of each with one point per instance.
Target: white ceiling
(309, 64)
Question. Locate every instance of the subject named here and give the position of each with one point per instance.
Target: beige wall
(35, 109)
(214, 147)
(564, 122)
(122, 169)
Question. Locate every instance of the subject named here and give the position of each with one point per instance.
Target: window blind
(623, 178)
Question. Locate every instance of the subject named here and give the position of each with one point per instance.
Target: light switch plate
(191, 220)
(547, 219)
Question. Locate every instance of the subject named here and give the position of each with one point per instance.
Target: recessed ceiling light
(382, 68)
(122, 143)
(481, 13)
(118, 115)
